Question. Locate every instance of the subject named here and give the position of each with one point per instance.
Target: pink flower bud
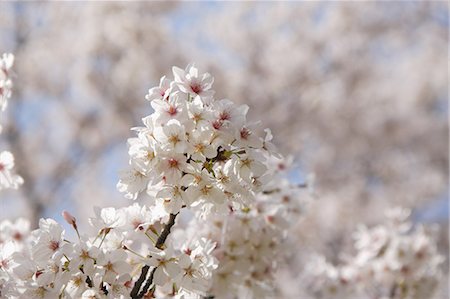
(69, 218)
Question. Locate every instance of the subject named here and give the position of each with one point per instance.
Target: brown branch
(160, 245)
(276, 190)
(148, 283)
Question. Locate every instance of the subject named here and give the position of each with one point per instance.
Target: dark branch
(276, 190)
(166, 231)
(137, 286)
(160, 245)
(148, 283)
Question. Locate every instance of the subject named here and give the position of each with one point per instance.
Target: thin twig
(276, 190)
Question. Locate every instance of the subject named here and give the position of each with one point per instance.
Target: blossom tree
(193, 153)
(8, 179)
(391, 261)
(354, 91)
(86, 81)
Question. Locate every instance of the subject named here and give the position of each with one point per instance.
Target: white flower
(172, 198)
(49, 241)
(120, 287)
(201, 147)
(160, 92)
(190, 81)
(138, 218)
(7, 178)
(172, 108)
(6, 63)
(113, 264)
(132, 182)
(191, 278)
(227, 180)
(227, 114)
(246, 138)
(77, 285)
(172, 136)
(16, 231)
(142, 151)
(171, 166)
(40, 292)
(7, 249)
(205, 191)
(247, 167)
(84, 255)
(197, 265)
(200, 116)
(268, 145)
(107, 219)
(167, 266)
(92, 294)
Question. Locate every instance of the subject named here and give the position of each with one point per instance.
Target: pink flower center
(128, 284)
(38, 273)
(17, 236)
(245, 133)
(2, 167)
(173, 163)
(217, 124)
(136, 223)
(172, 110)
(224, 115)
(4, 264)
(54, 245)
(196, 88)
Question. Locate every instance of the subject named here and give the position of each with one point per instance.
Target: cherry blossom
(6, 62)
(213, 218)
(8, 179)
(194, 83)
(391, 261)
(205, 154)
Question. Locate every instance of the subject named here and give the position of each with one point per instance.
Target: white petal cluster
(194, 150)
(12, 237)
(391, 261)
(45, 264)
(252, 242)
(12, 234)
(6, 62)
(16, 231)
(8, 179)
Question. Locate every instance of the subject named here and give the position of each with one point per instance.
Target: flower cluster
(8, 179)
(391, 261)
(195, 151)
(252, 242)
(6, 62)
(12, 238)
(45, 264)
(198, 157)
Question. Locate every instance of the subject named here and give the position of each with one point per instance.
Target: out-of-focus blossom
(391, 261)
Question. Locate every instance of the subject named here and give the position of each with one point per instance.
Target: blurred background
(355, 92)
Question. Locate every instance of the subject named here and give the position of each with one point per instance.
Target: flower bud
(69, 218)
